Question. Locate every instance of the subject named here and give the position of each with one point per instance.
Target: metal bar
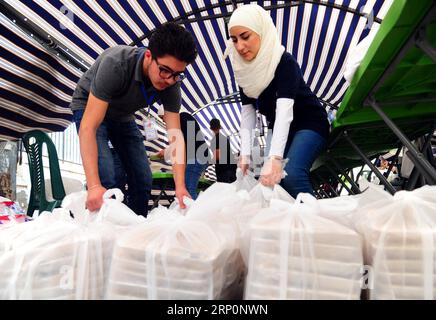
(358, 175)
(50, 43)
(370, 172)
(182, 19)
(355, 187)
(391, 165)
(161, 194)
(341, 7)
(413, 179)
(339, 180)
(415, 175)
(234, 4)
(331, 105)
(333, 190)
(418, 159)
(408, 101)
(341, 188)
(325, 193)
(185, 17)
(423, 180)
(315, 188)
(344, 186)
(382, 178)
(321, 188)
(229, 98)
(338, 137)
(423, 43)
(318, 194)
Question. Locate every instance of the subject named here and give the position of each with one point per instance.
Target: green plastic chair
(33, 142)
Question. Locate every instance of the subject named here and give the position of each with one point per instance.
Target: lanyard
(148, 99)
(259, 119)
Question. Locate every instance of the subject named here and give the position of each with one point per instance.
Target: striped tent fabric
(36, 85)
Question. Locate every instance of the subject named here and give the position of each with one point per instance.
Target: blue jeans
(305, 147)
(128, 144)
(192, 176)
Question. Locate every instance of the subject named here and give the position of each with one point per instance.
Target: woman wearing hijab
(270, 81)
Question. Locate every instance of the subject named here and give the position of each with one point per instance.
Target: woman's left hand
(272, 172)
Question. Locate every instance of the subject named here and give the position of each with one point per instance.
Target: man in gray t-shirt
(122, 80)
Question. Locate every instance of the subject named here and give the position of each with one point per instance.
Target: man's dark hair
(174, 40)
(215, 124)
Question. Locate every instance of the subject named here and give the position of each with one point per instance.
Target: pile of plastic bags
(400, 234)
(239, 240)
(295, 253)
(58, 257)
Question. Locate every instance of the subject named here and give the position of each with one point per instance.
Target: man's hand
(180, 193)
(244, 164)
(272, 172)
(94, 200)
(92, 118)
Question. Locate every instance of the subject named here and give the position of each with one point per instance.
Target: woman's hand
(272, 171)
(244, 164)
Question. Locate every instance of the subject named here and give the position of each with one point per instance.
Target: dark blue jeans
(193, 175)
(128, 143)
(305, 147)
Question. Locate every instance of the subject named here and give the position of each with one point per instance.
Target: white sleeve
(284, 116)
(248, 123)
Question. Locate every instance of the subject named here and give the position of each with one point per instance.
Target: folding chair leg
(415, 175)
(321, 190)
(339, 180)
(358, 175)
(418, 159)
(423, 43)
(379, 175)
(354, 187)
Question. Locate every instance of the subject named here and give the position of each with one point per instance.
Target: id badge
(150, 129)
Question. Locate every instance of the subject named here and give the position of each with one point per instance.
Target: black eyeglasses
(166, 73)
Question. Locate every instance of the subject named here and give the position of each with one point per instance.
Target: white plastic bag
(297, 254)
(400, 234)
(244, 182)
(37, 254)
(112, 210)
(58, 257)
(175, 257)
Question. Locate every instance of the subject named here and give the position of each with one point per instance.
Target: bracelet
(275, 158)
(94, 186)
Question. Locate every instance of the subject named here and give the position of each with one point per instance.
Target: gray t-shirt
(116, 77)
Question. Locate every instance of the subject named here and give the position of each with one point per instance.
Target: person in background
(270, 80)
(197, 152)
(225, 161)
(122, 80)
